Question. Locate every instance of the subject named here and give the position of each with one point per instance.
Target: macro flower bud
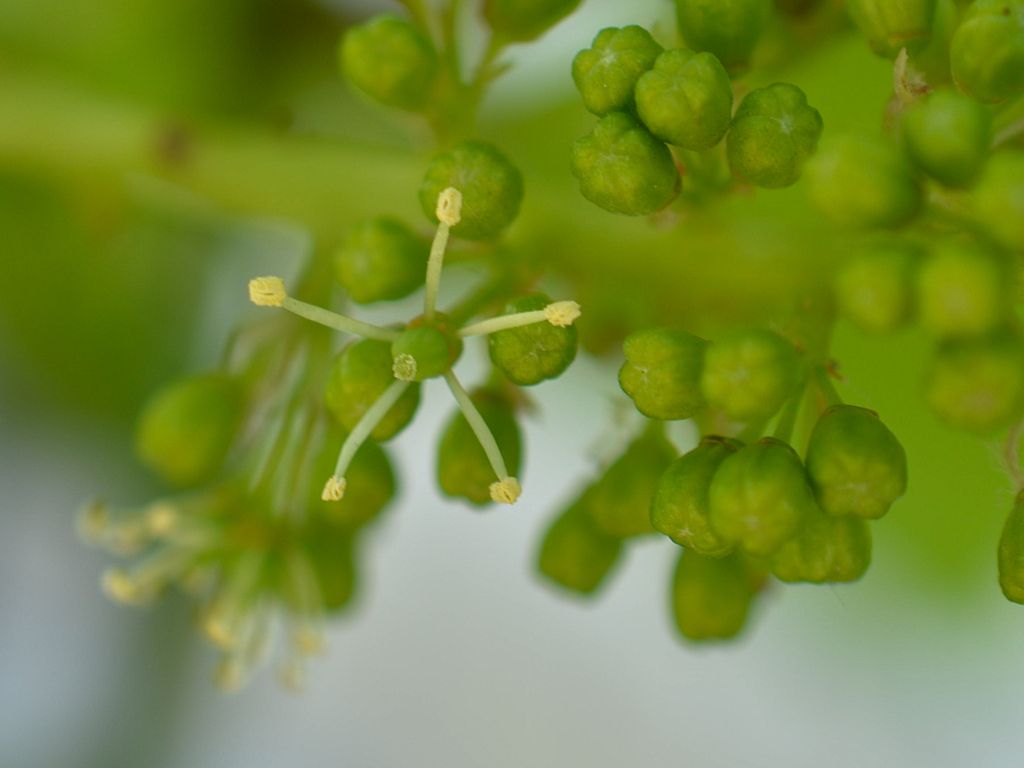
(686, 99)
(524, 20)
(773, 134)
(963, 290)
(358, 377)
(749, 374)
(622, 497)
(680, 505)
(862, 182)
(491, 189)
(729, 29)
(622, 168)
(987, 51)
(827, 550)
(856, 465)
(662, 371)
(874, 289)
(999, 199)
(711, 596)
(423, 352)
(533, 353)
(186, 429)
(948, 135)
(463, 470)
(390, 60)
(759, 497)
(606, 73)
(574, 554)
(891, 25)
(1011, 553)
(380, 259)
(977, 384)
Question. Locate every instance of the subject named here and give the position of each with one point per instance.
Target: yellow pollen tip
(308, 641)
(219, 633)
(449, 207)
(506, 491)
(161, 519)
(334, 488)
(267, 291)
(121, 588)
(404, 367)
(562, 314)
(93, 522)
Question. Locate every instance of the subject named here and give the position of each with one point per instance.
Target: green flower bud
(331, 551)
(749, 374)
(358, 377)
(861, 182)
(369, 484)
(891, 25)
(390, 60)
(622, 497)
(606, 73)
(186, 429)
(977, 385)
(680, 505)
(686, 99)
(827, 550)
(622, 168)
(463, 470)
(729, 29)
(380, 260)
(773, 134)
(711, 596)
(856, 465)
(874, 288)
(1011, 554)
(661, 373)
(524, 20)
(424, 352)
(760, 496)
(491, 187)
(999, 199)
(530, 354)
(574, 554)
(947, 136)
(987, 51)
(963, 290)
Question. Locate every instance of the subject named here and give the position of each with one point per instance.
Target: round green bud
(491, 187)
(622, 497)
(963, 290)
(186, 429)
(331, 550)
(862, 182)
(524, 20)
(424, 352)
(729, 29)
(1011, 554)
(874, 289)
(948, 135)
(759, 497)
(711, 596)
(686, 99)
(987, 51)
(977, 385)
(856, 465)
(749, 374)
(390, 60)
(358, 377)
(827, 550)
(622, 168)
(606, 73)
(463, 470)
(773, 134)
(380, 260)
(891, 25)
(574, 554)
(680, 506)
(661, 373)
(370, 483)
(533, 353)
(999, 199)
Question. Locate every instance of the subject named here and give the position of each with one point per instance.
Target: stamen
(93, 522)
(267, 291)
(506, 491)
(449, 207)
(449, 213)
(338, 322)
(161, 519)
(334, 488)
(404, 367)
(562, 314)
(120, 587)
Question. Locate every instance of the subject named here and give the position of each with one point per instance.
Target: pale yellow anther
(121, 587)
(216, 627)
(93, 522)
(506, 491)
(404, 367)
(334, 488)
(449, 207)
(267, 291)
(562, 313)
(161, 519)
(308, 641)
